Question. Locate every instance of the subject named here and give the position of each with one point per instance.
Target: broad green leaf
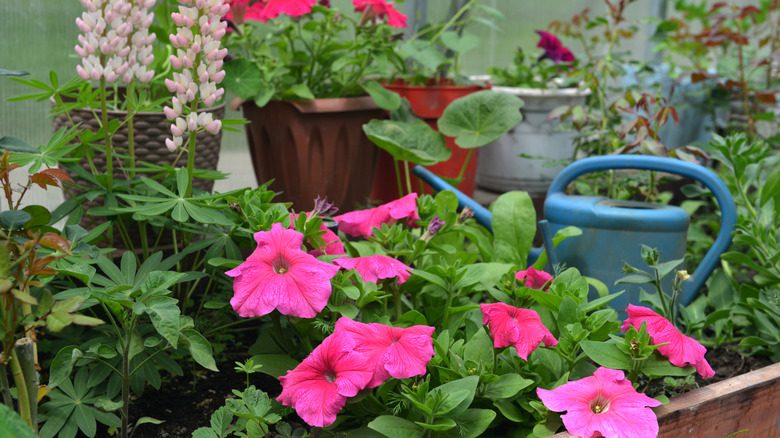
(62, 365)
(438, 425)
(164, 313)
(607, 354)
(199, 348)
(480, 349)
(12, 425)
(454, 388)
(480, 118)
(14, 220)
(275, 365)
(657, 366)
(415, 142)
(396, 427)
(507, 385)
(514, 226)
(471, 423)
(384, 98)
(459, 43)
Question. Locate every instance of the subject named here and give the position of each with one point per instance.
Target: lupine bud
(214, 126)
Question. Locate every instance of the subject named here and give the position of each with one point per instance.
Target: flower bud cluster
(198, 54)
(115, 42)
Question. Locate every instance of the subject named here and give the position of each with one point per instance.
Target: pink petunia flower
(553, 49)
(605, 404)
(280, 275)
(293, 8)
(333, 245)
(521, 328)
(393, 351)
(680, 350)
(242, 10)
(376, 267)
(533, 278)
(360, 223)
(380, 8)
(319, 386)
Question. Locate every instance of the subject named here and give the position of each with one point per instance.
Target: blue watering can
(613, 230)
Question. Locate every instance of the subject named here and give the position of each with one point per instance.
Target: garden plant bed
(738, 397)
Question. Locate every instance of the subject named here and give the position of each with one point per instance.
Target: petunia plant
(305, 49)
(426, 324)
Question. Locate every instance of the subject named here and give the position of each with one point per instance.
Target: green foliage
(744, 300)
(480, 118)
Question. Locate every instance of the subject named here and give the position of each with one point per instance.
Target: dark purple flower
(553, 49)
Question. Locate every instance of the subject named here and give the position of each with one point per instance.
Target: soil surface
(186, 403)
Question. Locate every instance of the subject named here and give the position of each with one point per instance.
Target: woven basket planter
(151, 129)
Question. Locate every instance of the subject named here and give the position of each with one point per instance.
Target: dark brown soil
(186, 403)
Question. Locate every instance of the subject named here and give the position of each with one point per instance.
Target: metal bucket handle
(670, 165)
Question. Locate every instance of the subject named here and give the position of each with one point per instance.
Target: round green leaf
(243, 78)
(415, 142)
(480, 118)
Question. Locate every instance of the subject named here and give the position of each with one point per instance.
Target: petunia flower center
(280, 265)
(330, 376)
(600, 404)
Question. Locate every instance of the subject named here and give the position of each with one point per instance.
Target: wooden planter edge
(749, 403)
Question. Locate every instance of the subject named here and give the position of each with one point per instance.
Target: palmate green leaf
(14, 144)
(415, 142)
(480, 118)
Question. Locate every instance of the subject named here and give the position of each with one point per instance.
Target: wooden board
(750, 403)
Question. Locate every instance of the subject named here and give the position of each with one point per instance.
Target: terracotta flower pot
(314, 148)
(428, 102)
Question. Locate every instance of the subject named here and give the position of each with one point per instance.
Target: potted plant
(512, 162)
(430, 80)
(298, 69)
(113, 124)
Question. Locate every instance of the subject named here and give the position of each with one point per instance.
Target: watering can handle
(670, 165)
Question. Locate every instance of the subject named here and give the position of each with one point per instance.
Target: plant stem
(398, 178)
(408, 178)
(465, 164)
(25, 352)
(130, 160)
(106, 133)
(21, 389)
(6, 387)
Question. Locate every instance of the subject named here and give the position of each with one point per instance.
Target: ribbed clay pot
(314, 148)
